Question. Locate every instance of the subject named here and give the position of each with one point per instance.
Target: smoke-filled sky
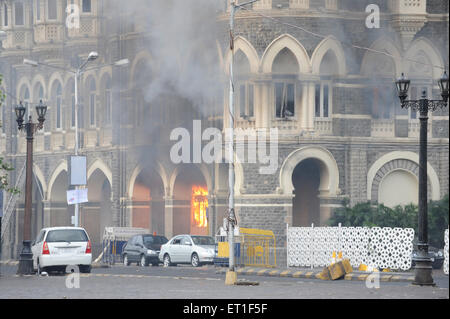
(182, 42)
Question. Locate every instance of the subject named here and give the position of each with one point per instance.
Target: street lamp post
(77, 75)
(26, 256)
(231, 277)
(423, 268)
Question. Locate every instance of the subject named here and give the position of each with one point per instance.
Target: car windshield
(66, 235)
(203, 240)
(154, 240)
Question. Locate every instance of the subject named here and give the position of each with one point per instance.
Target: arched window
(141, 79)
(284, 70)
(108, 102)
(244, 88)
(324, 89)
(19, 13)
(73, 106)
(38, 10)
(87, 6)
(57, 98)
(92, 101)
(5, 15)
(52, 10)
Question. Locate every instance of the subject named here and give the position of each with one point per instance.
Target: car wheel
(39, 270)
(166, 260)
(126, 262)
(195, 261)
(85, 269)
(143, 262)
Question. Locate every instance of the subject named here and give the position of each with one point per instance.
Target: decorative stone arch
(54, 78)
(425, 46)
(138, 169)
(371, 59)
(24, 82)
(179, 168)
(143, 56)
(62, 166)
(100, 165)
(329, 44)
(329, 171)
(38, 79)
(390, 162)
(289, 42)
(107, 72)
(41, 178)
(87, 81)
(247, 48)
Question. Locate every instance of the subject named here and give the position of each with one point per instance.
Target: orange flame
(199, 204)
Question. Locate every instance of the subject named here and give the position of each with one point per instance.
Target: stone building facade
(342, 133)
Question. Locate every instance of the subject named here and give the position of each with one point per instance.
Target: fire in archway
(199, 211)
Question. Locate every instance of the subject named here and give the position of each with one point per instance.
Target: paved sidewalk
(308, 273)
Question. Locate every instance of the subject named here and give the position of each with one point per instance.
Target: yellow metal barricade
(258, 247)
(254, 247)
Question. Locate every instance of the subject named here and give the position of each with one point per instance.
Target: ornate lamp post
(26, 256)
(423, 269)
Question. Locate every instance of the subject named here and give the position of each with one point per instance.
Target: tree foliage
(370, 215)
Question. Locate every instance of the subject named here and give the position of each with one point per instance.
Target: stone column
(168, 216)
(47, 213)
(310, 106)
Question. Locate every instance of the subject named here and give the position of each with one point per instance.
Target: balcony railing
(323, 126)
(383, 128)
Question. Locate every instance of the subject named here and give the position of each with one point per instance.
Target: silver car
(188, 249)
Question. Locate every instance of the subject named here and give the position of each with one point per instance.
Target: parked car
(436, 255)
(143, 249)
(188, 249)
(58, 247)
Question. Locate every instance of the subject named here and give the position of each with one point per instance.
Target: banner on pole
(77, 171)
(77, 196)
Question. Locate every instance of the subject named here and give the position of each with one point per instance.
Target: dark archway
(148, 202)
(96, 214)
(190, 213)
(306, 205)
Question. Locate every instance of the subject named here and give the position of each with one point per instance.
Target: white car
(58, 247)
(188, 249)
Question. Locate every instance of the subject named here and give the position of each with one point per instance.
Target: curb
(308, 274)
(15, 263)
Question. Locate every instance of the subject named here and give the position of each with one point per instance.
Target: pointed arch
(62, 167)
(38, 173)
(143, 56)
(378, 62)
(23, 83)
(100, 165)
(424, 48)
(329, 44)
(39, 80)
(249, 51)
(138, 169)
(180, 168)
(280, 43)
(55, 78)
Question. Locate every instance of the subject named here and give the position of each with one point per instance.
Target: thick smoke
(181, 37)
